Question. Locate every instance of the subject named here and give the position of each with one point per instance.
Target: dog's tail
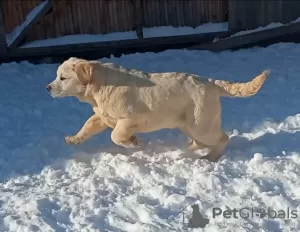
(229, 89)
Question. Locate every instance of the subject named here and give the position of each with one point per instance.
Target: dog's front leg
(92, 126)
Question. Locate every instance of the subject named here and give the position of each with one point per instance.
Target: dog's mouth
(55, 95)
(54, 92)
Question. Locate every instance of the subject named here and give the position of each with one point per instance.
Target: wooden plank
(246, 40)
(245, 15)
(32, 18)
(290, 10)
(3, 44)
(234, 21)
(138, 17)
(251, 8)
(107, 48)
(272, 12)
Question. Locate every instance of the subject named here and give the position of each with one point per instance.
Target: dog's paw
(193, 145)
(212, 157)
(209, 158)
(133, 142)
(137, 143)
(73, 140)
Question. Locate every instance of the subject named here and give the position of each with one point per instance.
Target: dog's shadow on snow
(239, 147)
(154, 143)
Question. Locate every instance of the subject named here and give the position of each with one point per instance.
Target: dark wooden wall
(250, 14)
(70, 17)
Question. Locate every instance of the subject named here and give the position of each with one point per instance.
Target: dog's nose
(48, 88)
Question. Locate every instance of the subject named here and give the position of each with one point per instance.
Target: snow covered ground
(46, 185)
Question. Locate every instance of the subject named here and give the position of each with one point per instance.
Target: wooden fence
(247, 15)
(69, 17)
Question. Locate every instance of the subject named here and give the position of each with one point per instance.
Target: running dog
(131, 101)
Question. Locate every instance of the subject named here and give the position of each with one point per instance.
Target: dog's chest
(99, 111)
(116, 103)
(110, 122)
(112, 109)
(106, 118)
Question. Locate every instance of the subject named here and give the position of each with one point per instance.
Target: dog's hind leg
(92, 126)
(193, 144)
(210, 134)
(196, 145)
(123, 134)
(217, 150)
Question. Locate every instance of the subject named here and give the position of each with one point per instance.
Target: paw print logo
(197, 220)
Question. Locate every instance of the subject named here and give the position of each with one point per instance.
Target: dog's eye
(63, 78)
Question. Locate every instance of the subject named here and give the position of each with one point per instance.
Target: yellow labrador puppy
(131, 101)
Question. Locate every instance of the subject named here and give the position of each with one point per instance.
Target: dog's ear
(84, 72)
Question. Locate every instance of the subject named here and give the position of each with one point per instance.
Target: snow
(82, 38)
(261, 28)
(267, 27)
(148, 33)
(46, 185)
(13, 35)
(170, 31)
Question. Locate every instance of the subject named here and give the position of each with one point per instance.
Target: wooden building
(23, 21)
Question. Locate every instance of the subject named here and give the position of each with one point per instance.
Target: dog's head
(195, 207)
(73, 76)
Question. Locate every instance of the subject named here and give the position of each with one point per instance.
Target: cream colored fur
(131, 101)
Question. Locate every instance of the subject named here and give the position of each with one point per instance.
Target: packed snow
(267, 27)
(171, 31)
(46, 185)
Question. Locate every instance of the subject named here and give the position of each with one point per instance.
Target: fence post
(3, 44)
(138, 17)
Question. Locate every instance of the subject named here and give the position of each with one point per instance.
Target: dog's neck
(87, 98)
